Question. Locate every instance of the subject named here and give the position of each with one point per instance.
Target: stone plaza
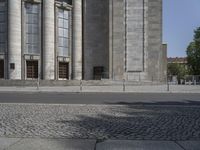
(143, 121)
(101, 122)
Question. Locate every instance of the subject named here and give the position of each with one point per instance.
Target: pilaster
(77, 39)
(48, 40)
(14, 39)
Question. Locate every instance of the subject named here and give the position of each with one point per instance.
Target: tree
(193, 54)
(179, 70)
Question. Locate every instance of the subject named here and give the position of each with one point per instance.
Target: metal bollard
(139, 77)
(81, 86)
(167, 84)
(124, 86)
(38, 83)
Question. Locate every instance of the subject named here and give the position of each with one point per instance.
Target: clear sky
(180, 18)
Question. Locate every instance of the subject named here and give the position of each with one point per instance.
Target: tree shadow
(185, 102)
(129, 122)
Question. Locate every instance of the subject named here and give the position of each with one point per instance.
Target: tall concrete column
(77, 39)
(14, 39)
(49, 40)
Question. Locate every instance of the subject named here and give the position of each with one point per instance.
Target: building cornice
(33, 1)
(63, 5)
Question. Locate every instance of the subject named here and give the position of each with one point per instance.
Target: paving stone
(137, 145)
(53, 144)
(127, 122)
(6, 142)
(190, 145)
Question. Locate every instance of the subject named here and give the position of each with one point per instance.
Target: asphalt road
(101, 98)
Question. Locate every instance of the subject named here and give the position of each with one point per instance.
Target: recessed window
(63, 32)
(1, 69)
(32, 69)
(32, 27)
(3, 26)
(98, 72)
(63, 70)
(12, 66)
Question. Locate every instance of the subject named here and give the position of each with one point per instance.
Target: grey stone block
(190, 145)
(53, 144)
(137, 145)
(7, 142)
(96, 37)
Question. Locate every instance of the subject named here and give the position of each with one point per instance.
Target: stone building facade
(81, 39)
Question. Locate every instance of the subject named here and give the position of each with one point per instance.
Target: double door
(63, 70)
(1, 69)
(32, 69)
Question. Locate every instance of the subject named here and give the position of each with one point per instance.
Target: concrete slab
(190, 145)
(53, 144)
(6, 142)
(137, 145)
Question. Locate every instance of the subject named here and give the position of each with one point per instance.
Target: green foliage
(193, 54)
(179, 70)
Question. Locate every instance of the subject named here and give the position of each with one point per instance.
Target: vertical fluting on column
(77, 39)
(48, 40)
(14, 39)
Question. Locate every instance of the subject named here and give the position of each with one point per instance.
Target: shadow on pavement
(139, 123)
(184, 103)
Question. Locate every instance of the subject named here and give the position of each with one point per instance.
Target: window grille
(32, 69)
(63, 70)
(1, 68)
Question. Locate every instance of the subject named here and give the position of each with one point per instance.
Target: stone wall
(123, 36)
(144, 53)
(134, 35)
(154, 49)
(96, 40)
(117, 38)
(163, 63)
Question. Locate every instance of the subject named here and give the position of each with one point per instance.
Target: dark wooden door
(32, 69)
(63, 70)
(1, 69)
(98, 73)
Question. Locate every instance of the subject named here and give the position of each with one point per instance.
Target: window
(12, 66)
(32, 69)
(3, 26)
(32, 28)
(98, 72)
(1, 68)
(63, 70)
(63, 32)
(66, 1)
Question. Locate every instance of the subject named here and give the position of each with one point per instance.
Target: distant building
(81, 39)
(178, 60)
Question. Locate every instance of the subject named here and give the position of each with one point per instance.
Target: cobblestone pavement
(100, 121)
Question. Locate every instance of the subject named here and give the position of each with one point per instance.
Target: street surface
(124, 122)
(101, 98)
(112, 121)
